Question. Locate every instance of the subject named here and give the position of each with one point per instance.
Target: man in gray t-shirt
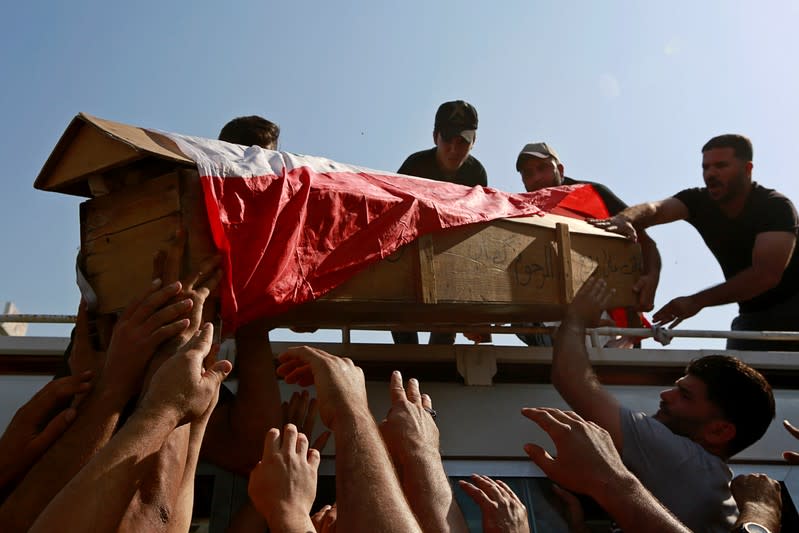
(718, 408)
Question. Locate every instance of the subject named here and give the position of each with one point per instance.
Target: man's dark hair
(741, 393)
(741, 146)
(251, 131)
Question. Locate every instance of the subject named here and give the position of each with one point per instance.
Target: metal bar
(39, 319)
(608, 331)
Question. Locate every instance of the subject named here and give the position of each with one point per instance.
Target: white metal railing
(660, 334)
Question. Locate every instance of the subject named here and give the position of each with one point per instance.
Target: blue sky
(627, 92)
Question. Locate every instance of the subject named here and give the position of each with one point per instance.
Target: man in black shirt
(454, 133)
(751, 231)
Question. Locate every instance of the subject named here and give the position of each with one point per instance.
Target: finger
(199, 345)
(547, 419)
(302, 445)
(541, 458)
(289, 444)
(504, 487)
(206, 272)
(167, 314)
(54, 429)
(793, 430)
(317, 517)
(414, 396)
(302, 376)
(791, 457)
(427, 401)
(487, 485)
(271, 442)
(395, 387)
(478, 496)
(313, 458)
(169, 331)
(675, 323)
(285, 368)
(155, 299)
(321, 441)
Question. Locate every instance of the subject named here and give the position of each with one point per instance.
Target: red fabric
(292, 237)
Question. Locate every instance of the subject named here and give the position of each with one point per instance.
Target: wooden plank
(119, 265)
(427, 273)
(563, 240)
(134, 205)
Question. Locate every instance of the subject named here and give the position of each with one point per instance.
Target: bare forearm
(368, 494)
(429, 494)
(111, 477)
(741, 287)
(242, 423)
(90, 432)
(634, 507)
(641, 216)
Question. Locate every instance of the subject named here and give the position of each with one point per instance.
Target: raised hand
(301, 410)
(37, 425)
(617, 224)
(144, 325)
(586, 457)
(589, 302)
(502, 510)
(759, 499)
(282, 486)
(186, 385)
(791, 457)
(409, 429)
(340, 385)
(676, 311)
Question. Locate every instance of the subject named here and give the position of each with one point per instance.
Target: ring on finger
(431, 411)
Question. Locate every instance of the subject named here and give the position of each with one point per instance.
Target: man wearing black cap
(454, 133)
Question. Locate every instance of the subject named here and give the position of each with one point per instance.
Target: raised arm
(759, 500)
(143, 326)
(587, 462)
(36, 426)
(181, 391)
(572, 373)
(412, 438)
(241, 421)
(283, 484)
(369, 496)
(770, 256)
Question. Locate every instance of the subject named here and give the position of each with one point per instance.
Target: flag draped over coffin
(293, 227)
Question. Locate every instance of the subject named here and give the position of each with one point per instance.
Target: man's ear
(560, 169)
(749, 166)
(720, 432)
(435, 137)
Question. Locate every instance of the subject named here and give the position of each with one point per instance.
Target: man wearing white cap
(540, 167)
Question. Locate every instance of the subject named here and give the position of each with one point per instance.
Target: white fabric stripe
(223, 159)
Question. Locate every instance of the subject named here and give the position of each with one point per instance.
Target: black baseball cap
(457, 118)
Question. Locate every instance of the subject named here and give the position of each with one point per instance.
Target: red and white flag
(292, 227)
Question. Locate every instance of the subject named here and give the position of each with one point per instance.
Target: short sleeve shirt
(691, 482)
(731, 240)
